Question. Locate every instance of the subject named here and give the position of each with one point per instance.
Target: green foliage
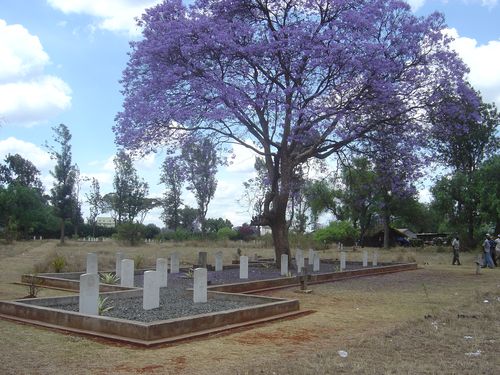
(109, 278)
(129, 198)
(337, 231)
(131, 233)
(103, 306)
(416, 242)
(63, 193)
(58, 263)
(226, 234)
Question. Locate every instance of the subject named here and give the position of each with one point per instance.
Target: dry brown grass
(380, 321)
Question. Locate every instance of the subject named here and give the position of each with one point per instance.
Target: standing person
(493, 251)
(488, 262)
(455, 244)
(497, 248)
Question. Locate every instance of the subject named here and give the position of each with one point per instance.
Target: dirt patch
(277, 338)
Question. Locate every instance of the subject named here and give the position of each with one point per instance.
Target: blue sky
(61, 60)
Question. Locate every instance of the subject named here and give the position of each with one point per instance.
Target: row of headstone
(91, 239)
(40, 238)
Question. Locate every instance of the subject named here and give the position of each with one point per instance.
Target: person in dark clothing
(493, 252)
(455, 244)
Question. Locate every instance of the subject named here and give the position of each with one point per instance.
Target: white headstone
(118, 263)
(284, 264)
(202, 259)
(161, 268)
(92, 263)
(342, 260)
(200, 285)
(151, 291)
(174, 263)
(89, 294)
(218, 261)
(299, 259)
(310, 259)
(127, 274)
(243, 267)
(375, 258)
(365, 258)
(316, 261)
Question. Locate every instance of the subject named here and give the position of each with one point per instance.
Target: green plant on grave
(189, 274)
(109, 278)
(33, 286)
(58, 263)
(103, 306)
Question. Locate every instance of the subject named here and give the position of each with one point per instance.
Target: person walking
(455, 244)
(488, 262)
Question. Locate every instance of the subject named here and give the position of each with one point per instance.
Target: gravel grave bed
(174, 303)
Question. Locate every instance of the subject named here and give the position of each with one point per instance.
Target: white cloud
(113, 15)
(483, 63)
(39, 157)
(244, 159)
(416, 4)
(27, 96)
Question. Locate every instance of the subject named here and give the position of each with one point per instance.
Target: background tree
(64, 173)
(464, 136)
(200, 161)
(489, 192)
(189, 219)
(128, 199)
(95, 202)
(21, 171)
(300, 80)
(173, 176)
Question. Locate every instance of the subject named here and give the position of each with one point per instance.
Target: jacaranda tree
(299, 79)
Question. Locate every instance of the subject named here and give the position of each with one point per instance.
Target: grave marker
(365, 258)
(299, 259)
(316, 261)
(310, 259)
(202, 259)
(151, 291)
(200, 285)
(284, 264)
(342, 260)
(375, 258)
(127, 274)
(243, 267)
(91, 263)
(89, 294)
(218, 261)
(161, 269)
(174, 263)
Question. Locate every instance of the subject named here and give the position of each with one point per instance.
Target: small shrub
(109, 278)
(58, 263)
(102, 305)
(33, 287)
(226, 234)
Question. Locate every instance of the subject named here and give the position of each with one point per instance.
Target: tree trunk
(386, 227)
(62, 231)
(279, 229)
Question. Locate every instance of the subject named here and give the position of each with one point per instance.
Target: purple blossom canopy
(300, 78)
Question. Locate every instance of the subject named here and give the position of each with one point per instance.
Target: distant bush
(337, 231)
(226, 234)
(132, 233)
(58, 263)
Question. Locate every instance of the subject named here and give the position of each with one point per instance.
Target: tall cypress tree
(64, 173)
